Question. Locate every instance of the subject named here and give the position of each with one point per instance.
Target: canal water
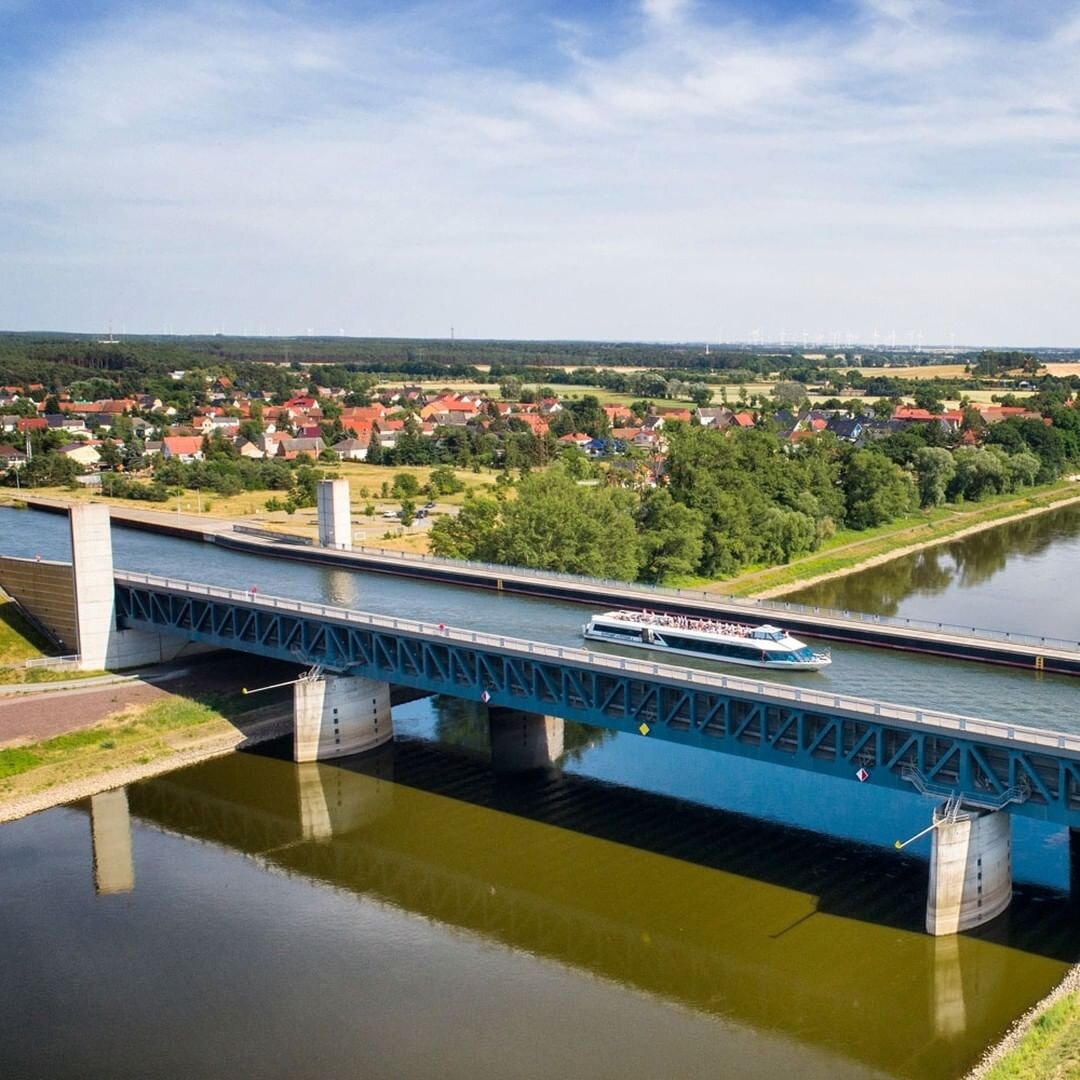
(641, 910)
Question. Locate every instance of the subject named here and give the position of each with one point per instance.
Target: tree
(555, 525)
(444, 481)
(374, 450)
(576, 462)
(408, 511)
(929, 398)
(467, 534)
(934, 470)
(701, 394)
(979, 472)
(883, 408)
(1024, 468)
(875, 489)
(670, 536)
(405, 485)
(789, 395)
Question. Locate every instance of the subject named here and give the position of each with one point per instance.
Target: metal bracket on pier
(311, 675)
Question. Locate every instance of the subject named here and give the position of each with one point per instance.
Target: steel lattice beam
(832, 741)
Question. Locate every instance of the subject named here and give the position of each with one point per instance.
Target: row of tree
(745, 498)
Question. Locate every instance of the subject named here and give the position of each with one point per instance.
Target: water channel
(643, 910)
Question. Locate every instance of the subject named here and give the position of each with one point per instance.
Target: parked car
(429, 506)
(391, 514)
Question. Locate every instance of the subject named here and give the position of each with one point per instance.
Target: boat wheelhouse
(707, 639)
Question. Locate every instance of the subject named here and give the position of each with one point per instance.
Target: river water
(641, 910)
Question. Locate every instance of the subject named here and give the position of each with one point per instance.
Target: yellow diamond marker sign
(644, 729)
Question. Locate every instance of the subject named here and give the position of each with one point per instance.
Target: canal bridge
(983, 770)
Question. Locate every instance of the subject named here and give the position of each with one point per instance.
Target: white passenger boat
(708, 639)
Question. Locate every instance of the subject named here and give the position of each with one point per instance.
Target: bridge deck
(988, 763)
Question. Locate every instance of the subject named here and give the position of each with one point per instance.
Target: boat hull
(772, 665)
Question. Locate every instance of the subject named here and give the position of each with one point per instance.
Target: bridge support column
(335, 519)
(101, 645)
(523, 740)
(970, 870)
(338, 715)
(110, 831)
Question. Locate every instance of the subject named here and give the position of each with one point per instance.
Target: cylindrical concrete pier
(970, 870)
(338, 715)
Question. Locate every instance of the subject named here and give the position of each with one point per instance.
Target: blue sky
(661, 170)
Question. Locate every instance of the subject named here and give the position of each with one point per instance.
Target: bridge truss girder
(882, 751)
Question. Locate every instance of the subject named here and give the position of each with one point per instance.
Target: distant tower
(451, 333)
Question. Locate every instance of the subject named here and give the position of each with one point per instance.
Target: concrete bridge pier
(335, 518)
(110, 833)
(338, 715)
(522, 740)
(101, 645)
(970, 869)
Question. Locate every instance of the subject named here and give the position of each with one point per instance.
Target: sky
(660, 170)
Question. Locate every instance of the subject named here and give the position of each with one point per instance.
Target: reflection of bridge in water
(628, 889)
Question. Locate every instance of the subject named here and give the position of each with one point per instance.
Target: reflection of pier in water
(640, 889)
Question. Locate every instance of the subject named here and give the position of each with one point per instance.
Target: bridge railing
(689, 678)
(750, 604)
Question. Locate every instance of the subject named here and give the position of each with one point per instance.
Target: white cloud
(664, 11)
(240, 167)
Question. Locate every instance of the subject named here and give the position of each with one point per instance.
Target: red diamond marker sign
(485, 697)
(862, 776)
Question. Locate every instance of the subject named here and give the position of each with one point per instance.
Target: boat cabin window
(767, 633)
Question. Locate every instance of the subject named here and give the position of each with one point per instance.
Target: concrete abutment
(970, 870)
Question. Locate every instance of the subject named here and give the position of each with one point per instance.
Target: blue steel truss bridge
(983, 764)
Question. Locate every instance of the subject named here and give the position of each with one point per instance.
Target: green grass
(1049, 1049)
(107, 741)
(19, 641)
(17, 760)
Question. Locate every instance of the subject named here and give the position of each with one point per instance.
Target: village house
(185, 448)
(10, 458)
(82, 453)
(350, 450)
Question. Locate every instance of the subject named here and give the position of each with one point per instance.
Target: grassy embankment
(20, 642)
(1048, 1050)
(137, 741)
(848, 550)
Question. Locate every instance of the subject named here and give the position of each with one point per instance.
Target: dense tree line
(745, 498)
